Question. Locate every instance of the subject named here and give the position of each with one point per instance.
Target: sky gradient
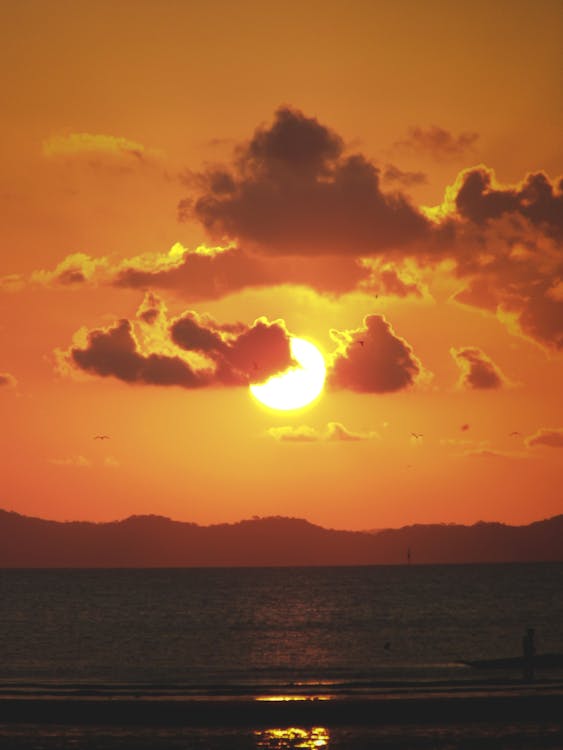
(185, 186)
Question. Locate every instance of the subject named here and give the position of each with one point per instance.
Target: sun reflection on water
(283, 698)
(292, 738)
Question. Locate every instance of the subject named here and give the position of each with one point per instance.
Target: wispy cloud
(77, 461)
(550, 436)
(334, 432)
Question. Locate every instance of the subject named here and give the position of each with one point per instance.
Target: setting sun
(297, 386)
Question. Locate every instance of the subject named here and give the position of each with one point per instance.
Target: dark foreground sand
(497, 736)
(504, 718)
(501, 705)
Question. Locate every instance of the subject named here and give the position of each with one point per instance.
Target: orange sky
(385, 173)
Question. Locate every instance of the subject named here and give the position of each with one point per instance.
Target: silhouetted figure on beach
(528, 654)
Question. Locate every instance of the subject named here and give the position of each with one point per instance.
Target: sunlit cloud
(7, 380)
(95, 144)
(333, 432)
(550, 436)
(478, 371)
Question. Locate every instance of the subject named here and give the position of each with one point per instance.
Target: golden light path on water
(292, 737)
(296, 386)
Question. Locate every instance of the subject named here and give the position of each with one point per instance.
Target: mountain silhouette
(156, 541)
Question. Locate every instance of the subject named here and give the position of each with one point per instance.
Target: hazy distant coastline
(156, 541)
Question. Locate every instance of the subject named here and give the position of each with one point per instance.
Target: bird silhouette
(514, 433)
(361, 342)
(416, 435)
(101, 437)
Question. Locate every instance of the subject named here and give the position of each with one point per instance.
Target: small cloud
(75, 270)
(437, 142)
(300, 434)
(78, 461)
(553, 437)
(478, 371)
(7, 380)
(373, 359)
(392, 173)
(337, 432)
(13, 282)
(92, 144)
(334, 432)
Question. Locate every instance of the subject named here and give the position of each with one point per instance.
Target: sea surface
(269, 633)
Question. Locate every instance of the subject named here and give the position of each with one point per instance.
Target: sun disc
(296, 386)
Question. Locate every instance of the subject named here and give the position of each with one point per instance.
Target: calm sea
(267, 631)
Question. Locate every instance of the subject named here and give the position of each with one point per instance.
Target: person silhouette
(528, 654)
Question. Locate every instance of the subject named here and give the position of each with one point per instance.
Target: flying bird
(464, 427)
(416, 435)
(101, 437)
(361, 342)
(515, 433)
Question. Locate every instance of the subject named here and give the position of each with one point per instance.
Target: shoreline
(527, 704)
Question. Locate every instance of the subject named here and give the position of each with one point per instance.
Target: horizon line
(256, 518)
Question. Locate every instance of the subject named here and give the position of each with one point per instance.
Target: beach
(477, 715)
(258, 659)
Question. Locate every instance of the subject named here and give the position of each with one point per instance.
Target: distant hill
(155, 541)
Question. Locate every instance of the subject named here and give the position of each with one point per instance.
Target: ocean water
(248, 626)
(268, 633)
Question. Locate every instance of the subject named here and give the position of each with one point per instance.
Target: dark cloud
(507, 245)
(71, 276)
(551, 436)
(199, 276)
(373, 359)
(247, 355)
(188, 333)
(438, 143)
(115, 352)
(479, 199)
(386, 279)
(294, 144)
(7, 380)
(300, 210)
(228, 355)
(296, 192)
(478, 371)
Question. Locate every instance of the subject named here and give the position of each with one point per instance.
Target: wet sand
(535, 703)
